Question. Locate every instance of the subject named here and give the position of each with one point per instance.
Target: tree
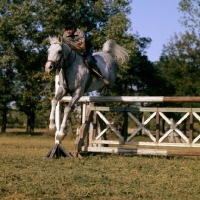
(191, 14)
(139, 76)
(24, 28)
(180, 65)
(7, 94)
(22, 48)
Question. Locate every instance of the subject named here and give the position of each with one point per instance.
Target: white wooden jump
(92, 131)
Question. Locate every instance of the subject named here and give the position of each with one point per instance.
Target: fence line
(95, 125)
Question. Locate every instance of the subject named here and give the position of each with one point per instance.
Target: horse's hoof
(60, 137)
(52, 130)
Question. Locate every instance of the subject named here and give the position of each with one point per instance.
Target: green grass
(24, 174)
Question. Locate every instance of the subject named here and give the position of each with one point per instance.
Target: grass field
(25, 174)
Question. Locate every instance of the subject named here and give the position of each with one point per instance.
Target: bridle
(62, 65)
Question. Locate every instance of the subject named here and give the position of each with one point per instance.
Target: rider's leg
(93, 64)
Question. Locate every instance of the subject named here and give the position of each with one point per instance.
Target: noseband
(56, 63)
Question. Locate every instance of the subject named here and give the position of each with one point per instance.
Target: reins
(64, 67)
(65, 60)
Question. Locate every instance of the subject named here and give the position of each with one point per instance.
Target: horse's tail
(116, 51)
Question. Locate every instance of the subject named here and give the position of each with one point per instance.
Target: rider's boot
(91, 62)
(97, 71)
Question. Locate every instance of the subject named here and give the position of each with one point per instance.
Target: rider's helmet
(70, 24)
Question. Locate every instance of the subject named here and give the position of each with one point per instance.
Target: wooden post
(191, 127)
(81, 139)
(143, 120)
(83, 113)
(57, 112)
(101, 126)
(171, 135)
(157, 126)
(125, 126)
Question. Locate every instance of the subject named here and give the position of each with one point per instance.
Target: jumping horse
(76, 78)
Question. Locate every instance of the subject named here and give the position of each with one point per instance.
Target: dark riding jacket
(77, 39)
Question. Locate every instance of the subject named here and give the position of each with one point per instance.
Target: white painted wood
(125, 150)
(165, 118)
(83, 112)
(196, 139)
(109, 125)
(57, 111)
(91, 128)
(171, 135)
(173, 127)
(143, 120)
(141, 126)
(107, 142)
(163, 144)
(196, 115)
(165, 135)
(98, 132)
(182, 135)
(116, 99)
(153, 144)
(133, 134)
(183, 118)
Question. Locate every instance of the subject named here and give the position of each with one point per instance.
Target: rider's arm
(80, 47)
(80, 38)
(75, 44)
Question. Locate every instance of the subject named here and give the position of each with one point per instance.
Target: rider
(76, 39)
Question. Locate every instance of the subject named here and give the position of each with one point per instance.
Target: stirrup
(105, 81)
(100, 76)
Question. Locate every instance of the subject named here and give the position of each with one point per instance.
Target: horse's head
(54, 54)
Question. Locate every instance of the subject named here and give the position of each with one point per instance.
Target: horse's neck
(72, 59)
(66, 50)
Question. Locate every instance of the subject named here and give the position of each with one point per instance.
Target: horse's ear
(60, 39)
(50, 39)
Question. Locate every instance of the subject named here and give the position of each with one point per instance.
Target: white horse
(76, 78)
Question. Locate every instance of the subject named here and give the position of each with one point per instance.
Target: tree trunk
(4, 119)
(30, 121)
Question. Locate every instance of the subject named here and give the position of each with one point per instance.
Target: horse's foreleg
(61, 134)
(52, 126)
(60, 93)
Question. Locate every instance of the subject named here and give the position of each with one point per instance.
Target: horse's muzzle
(49, 67)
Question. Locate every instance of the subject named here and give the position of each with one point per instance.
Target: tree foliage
(191, 14)
(180, 65)
(25, 26)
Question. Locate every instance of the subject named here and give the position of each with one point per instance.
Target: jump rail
(100, 99)
(92, 133)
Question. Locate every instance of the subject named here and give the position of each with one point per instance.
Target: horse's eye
(60, 51)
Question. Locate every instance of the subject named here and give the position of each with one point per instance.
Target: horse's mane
(116, 51)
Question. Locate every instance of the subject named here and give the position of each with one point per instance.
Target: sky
(158, 20)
